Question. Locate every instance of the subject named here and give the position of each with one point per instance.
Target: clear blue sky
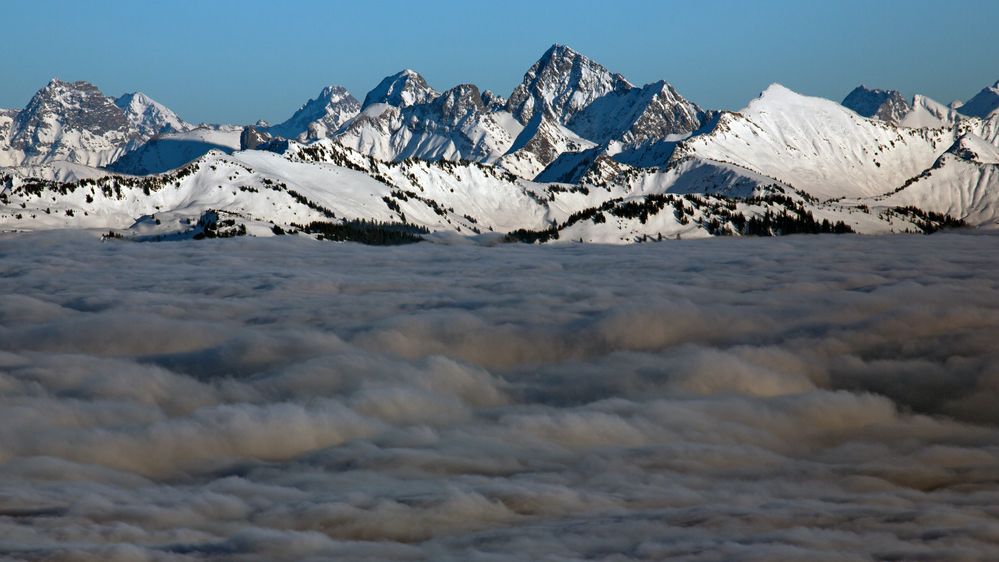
(239, 61)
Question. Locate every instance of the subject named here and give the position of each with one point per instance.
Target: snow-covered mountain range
(576, 152)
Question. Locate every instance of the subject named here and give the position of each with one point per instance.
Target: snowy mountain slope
(539, 144)
(148, 117)
(493, 102)
(253, 192)
(403, 117)
(75, 122)
(676, 217)
(402, 89)
(455, 125)
(818, 146)
(885, 105)
(633, 115)
(987, 129)
(318, 118)
(980, 118)
(984, 104)
(265, 188)
(175, 201)
(495, 200)
(562, 82)
(595, 107)
(973, 148)
(8, 156)
(964, 182)
(55, 171)
(602, 163)
(691, 175)
(584, 166)
(574, 143)
(698, 176)
(172, 150)
(70, 121)
(927, 113)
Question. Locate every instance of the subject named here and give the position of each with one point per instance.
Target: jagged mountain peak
(875, 103)
(402, 89)
(459, 103)
(74, 122)
(57, 83)
(61, 106)
(562, 82)
(62, 91)
(493, 101)
(460, 95)
(320, 116)
(334, 91)
(559, 50)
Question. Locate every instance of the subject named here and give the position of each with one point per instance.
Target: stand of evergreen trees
(374, 233)
(928, 221)
(532, 236)
(784, 223)
(211, 225)
(725, 221)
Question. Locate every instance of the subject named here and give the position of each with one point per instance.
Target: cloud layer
(806, 398)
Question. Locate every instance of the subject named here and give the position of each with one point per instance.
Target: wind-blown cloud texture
(806, 398)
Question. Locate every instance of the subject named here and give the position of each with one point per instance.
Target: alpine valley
(575, 153)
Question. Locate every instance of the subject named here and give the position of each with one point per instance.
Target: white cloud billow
(804, 398)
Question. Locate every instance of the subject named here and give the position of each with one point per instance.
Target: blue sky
(239, 61)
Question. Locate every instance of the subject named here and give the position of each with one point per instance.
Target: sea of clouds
(830, 398)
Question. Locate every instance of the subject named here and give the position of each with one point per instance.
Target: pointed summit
(148, 116)
(984, 104)
(63, 107)
(493, 102)
(459, 103)
(884, 105)
(403, 89)
(319, 117)
(654, 111)
(562, 82)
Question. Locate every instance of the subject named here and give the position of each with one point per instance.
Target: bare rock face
(7, 118)
(318, 118)
(65, 119)
(75, 122)
(72, 105)
(492, 101)
(884, 105)
(402, 89)
(562, 82)
(251, 138)
(454, 125)
(457, 104)
(596, 106)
